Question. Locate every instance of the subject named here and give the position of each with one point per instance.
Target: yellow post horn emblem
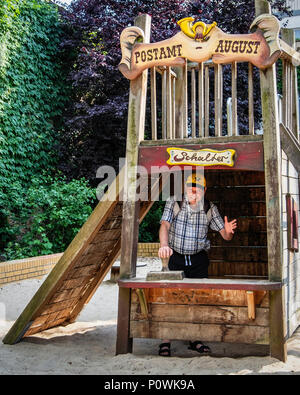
(197, 31)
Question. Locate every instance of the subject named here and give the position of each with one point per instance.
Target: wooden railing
(290, 103)
(184, 105)
(189, 101)
(185, 101)
(294, 4)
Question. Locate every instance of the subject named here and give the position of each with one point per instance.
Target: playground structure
(252, 294)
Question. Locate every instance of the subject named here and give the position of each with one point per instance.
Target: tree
(95, 126)
(235, 17)
(39, 211)
(95, 122)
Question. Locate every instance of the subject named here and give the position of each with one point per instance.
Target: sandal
(203, 349)
(164, 350)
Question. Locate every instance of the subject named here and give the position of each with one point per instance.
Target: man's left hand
(230, 226)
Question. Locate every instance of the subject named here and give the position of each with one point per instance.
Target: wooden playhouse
(252, 295)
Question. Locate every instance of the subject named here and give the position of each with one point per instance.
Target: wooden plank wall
(291, 259)
(239, 195)
(207, 314)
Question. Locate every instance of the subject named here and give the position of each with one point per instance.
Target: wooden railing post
(169, 117)
(234, 98)
(206, 99)
(153, 104)
(193, 101)
(130, 223)
(201, 99)
(291, 88)
(272, 163)
(250, 99)
(179, 102)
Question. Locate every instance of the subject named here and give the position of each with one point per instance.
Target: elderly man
(183, 237)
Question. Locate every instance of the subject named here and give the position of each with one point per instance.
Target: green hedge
(39, 212)
(45, 217)
(149, 228)
(32, 90)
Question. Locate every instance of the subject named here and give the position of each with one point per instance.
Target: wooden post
(164, 104)
(185, 100)
(218, 107)
(173, 106)
(250, 99)
(272, 161)
(153, 104)
(251, 305)
(288, 35)
(193, 101)
(201, 99)
(295, 109)
(169, 104)
(179, 102)
(234, 97)
(206, 98)
(130, 224)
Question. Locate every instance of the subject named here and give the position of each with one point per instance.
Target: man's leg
(198, 269)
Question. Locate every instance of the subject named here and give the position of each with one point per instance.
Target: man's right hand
(165, 252)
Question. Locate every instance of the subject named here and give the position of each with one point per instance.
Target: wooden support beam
(285, 104)
(173, 106)
(250, 99)
(289, 53)
(251, 305)
(272, 155)
(169, 104)
(204, 283)
(143, 301)
(164, 104)
(201, 99)
(130, 223)
(218, 111)
(262, 7)
(206, 101)
(193, 101)
(179, 103)
(185, 101)
(221, 83)
(153, 104)
(288, 35)
(291, 146)
(234, 98)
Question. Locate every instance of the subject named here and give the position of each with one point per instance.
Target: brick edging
(37, 267)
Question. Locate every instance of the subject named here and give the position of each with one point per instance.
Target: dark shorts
(194, 266)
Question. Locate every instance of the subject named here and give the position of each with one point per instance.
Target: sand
(88, 345)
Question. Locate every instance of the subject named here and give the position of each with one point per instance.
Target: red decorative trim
(248, 156)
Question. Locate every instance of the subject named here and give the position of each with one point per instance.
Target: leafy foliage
(96, 121)
(149, 228)
(45, 217)
(31, 91)
(38, 47)
(36, 216)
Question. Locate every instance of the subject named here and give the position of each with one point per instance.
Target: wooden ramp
(81, 269)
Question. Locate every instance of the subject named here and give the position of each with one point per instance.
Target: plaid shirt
(188, 230)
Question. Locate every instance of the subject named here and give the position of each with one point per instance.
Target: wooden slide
(81, 269)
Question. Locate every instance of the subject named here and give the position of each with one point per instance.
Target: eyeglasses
(195, 186)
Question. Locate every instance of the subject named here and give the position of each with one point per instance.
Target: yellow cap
(195, 179)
